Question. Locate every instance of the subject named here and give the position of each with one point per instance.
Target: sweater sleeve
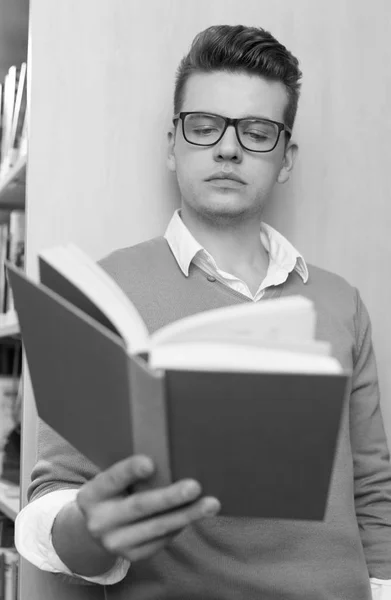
(33, 538)
(59, 465)
(372, 471)
(58, 474)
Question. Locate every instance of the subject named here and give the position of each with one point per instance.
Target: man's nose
(229, 143)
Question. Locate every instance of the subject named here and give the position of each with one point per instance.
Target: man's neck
(235, 246)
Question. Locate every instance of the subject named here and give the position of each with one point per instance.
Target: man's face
(233, 95)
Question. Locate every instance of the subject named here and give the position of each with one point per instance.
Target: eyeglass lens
(254, 134)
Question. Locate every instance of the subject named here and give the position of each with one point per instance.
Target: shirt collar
(281, 252)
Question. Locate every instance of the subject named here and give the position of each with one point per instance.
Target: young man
(235, 103)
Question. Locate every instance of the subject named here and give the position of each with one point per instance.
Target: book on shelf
(13, 110)
(15, 250)
(243, 398)
(12, 248)
(9, 572)
(11, 460)
(4, 230)
(18, 116)
(9, 428)
(9, 91)
(1, 114)
(7, 531)
(10, 410)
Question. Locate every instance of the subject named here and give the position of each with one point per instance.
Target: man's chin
(222, 209)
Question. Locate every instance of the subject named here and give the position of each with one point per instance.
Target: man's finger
(111, 514)
(146, 550)
(162, 500)
(114, 480)
(151, 530)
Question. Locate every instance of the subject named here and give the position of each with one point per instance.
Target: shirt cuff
(33, 539)
(381, 589)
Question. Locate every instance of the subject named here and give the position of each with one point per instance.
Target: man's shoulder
(332, 290)
(144, 249)
(321, 276)
(143, 256)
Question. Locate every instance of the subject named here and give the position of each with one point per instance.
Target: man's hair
(240, 49)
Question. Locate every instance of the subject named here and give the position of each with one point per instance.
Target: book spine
(5, 122)
(1, 117)
(4, 233)
(16, 250)
(10, 558)
(18, 114)
(148, 405)
(19, 111)
(7, 532)
(8, 393)
(9, 100)
(15, 579)
(2, 575)
(7, 576)
(23, 137)
(13, 120)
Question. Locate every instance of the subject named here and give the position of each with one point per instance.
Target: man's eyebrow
(252, 116)
(246, 116)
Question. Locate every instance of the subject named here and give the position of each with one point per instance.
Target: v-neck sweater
(222, 558)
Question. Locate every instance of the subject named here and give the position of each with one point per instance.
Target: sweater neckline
(270, 292)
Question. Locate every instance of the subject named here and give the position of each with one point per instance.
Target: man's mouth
(225, 183)
(222, 179)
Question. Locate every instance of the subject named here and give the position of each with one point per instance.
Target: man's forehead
(235, 95)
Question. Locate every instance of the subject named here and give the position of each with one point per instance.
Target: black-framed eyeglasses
(254, 134)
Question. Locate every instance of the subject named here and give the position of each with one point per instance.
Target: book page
(279, 320)
(94, 282)
(239, 358)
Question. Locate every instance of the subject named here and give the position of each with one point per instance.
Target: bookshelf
(9, 499)
(12, 194)
(13, 167)
(13, 184)
(9, 326)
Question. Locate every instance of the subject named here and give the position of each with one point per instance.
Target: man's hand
(138, 525)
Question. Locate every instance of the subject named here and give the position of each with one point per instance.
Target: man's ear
(171, 163)
(288, 162)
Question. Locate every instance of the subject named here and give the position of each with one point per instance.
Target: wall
(102, 74)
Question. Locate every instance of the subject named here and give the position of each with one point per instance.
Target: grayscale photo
(195, 292)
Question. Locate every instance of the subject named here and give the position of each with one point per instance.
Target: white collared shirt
(283, 257)
(34, 523)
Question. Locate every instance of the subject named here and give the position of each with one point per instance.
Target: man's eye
(204, 131)
(258, 136)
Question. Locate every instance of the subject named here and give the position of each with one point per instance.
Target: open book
(272, 335)
(244, 398)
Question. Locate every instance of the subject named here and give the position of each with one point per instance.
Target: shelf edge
(10, 506)
(13, 174)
